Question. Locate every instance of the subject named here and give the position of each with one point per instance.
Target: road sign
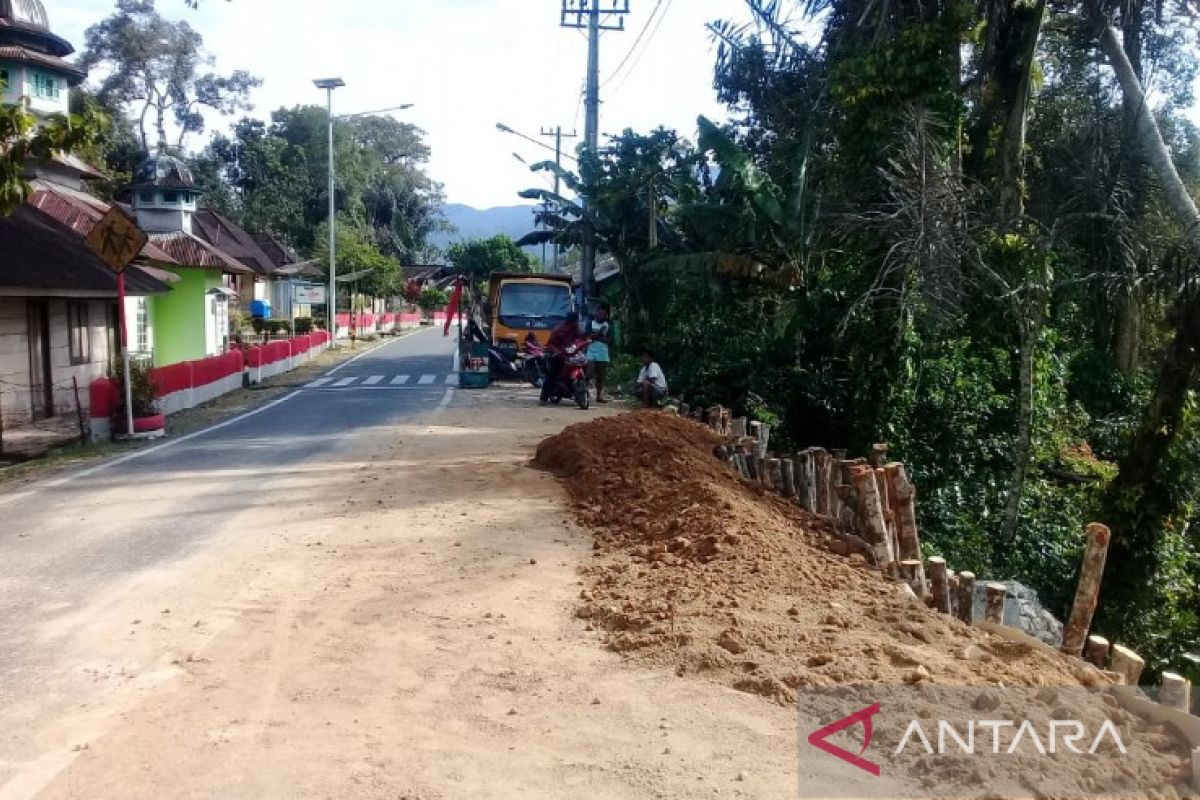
(309, 295)
(117, 239)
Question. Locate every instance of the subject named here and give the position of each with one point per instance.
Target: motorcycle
(535, 364)
(573, 381)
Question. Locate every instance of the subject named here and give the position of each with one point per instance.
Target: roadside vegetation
(956, 227)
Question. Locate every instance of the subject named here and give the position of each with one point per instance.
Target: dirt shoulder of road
(228, 405)
(399, 626)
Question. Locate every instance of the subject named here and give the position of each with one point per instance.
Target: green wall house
(184, 319)
(192, 321)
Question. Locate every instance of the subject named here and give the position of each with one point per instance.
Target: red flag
(452, 309)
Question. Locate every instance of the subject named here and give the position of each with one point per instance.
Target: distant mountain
(477, 223)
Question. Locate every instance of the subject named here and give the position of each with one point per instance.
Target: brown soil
(703, 573)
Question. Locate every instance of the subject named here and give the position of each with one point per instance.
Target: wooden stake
(952, 580)
(878, 455)
(903, 496)
(1088, 590)
(774, 474)
(1096, 651)
(966, 597)
(910, 571)
(684, 408)
(939, 582)
(806, 480)
(1176, 692)
(824, 481)
(789, 477)
(872, 512)
(1127, 664)
(738, 427)
(994, 610)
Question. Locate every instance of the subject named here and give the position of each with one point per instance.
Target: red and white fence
(370, 324)
(190, 383)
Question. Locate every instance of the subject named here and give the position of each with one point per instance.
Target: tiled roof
(12, 52)
(192, 251)
(38, 252)
(232, 240)
(80, 211)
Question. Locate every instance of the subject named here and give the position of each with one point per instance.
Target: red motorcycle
(573, 381)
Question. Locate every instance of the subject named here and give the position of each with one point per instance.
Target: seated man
(651, 385)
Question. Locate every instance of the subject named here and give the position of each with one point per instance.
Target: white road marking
(345, 381)
(425, 380)
(317, 383)
(454, 364)
(374, 379)
(399, 380)
(368, 352)
(446, 398)
(452, 379)
(71, 476)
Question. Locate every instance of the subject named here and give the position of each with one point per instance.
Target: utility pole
(329, 84)
(594, 16)
(558, 135)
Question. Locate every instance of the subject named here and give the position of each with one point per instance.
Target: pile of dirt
(703, 573)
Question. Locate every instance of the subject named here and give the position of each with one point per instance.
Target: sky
(464, 64)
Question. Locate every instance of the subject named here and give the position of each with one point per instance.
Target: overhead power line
(636, 42)
(637, 60)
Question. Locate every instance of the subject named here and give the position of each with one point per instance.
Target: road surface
(357, 590)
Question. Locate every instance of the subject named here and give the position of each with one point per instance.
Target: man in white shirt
(651, 385)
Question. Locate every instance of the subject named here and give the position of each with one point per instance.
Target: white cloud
(465, 64)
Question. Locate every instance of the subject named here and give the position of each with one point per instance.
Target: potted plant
(148, 422)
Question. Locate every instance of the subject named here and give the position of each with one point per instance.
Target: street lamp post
(329, 84)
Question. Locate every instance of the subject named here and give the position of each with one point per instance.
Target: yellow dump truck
(520, 304)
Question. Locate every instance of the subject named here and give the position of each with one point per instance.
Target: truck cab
(523, 304)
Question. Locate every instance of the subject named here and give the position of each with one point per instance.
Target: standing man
(561, 338)
(599, 330)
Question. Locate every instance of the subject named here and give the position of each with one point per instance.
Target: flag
(452, 309)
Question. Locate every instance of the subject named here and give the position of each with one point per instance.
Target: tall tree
(156, 68)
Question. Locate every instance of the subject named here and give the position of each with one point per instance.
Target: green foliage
(21, 141)
(479, 258)
(433, 299)
(144, 392)
(848, 272)
(357, 252)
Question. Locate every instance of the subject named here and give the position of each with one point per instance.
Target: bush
(145, 393)
(304, 325)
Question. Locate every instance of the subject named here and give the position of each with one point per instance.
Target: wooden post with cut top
(1095, 652)
(1088, 590)
(1176, 692)
(873, 522)
(994, 609)
(1127, 664)
(939, 581)
(824, 480)
(966, 597)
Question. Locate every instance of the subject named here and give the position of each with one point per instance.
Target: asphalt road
(66, 541)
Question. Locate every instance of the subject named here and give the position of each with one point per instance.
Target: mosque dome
(27, 13)
(164, 171)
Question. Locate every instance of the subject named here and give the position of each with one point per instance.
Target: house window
(170, 197)
(3, 79)
(141, 327)
(45, 86)
(146, 197)
(78, 340)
